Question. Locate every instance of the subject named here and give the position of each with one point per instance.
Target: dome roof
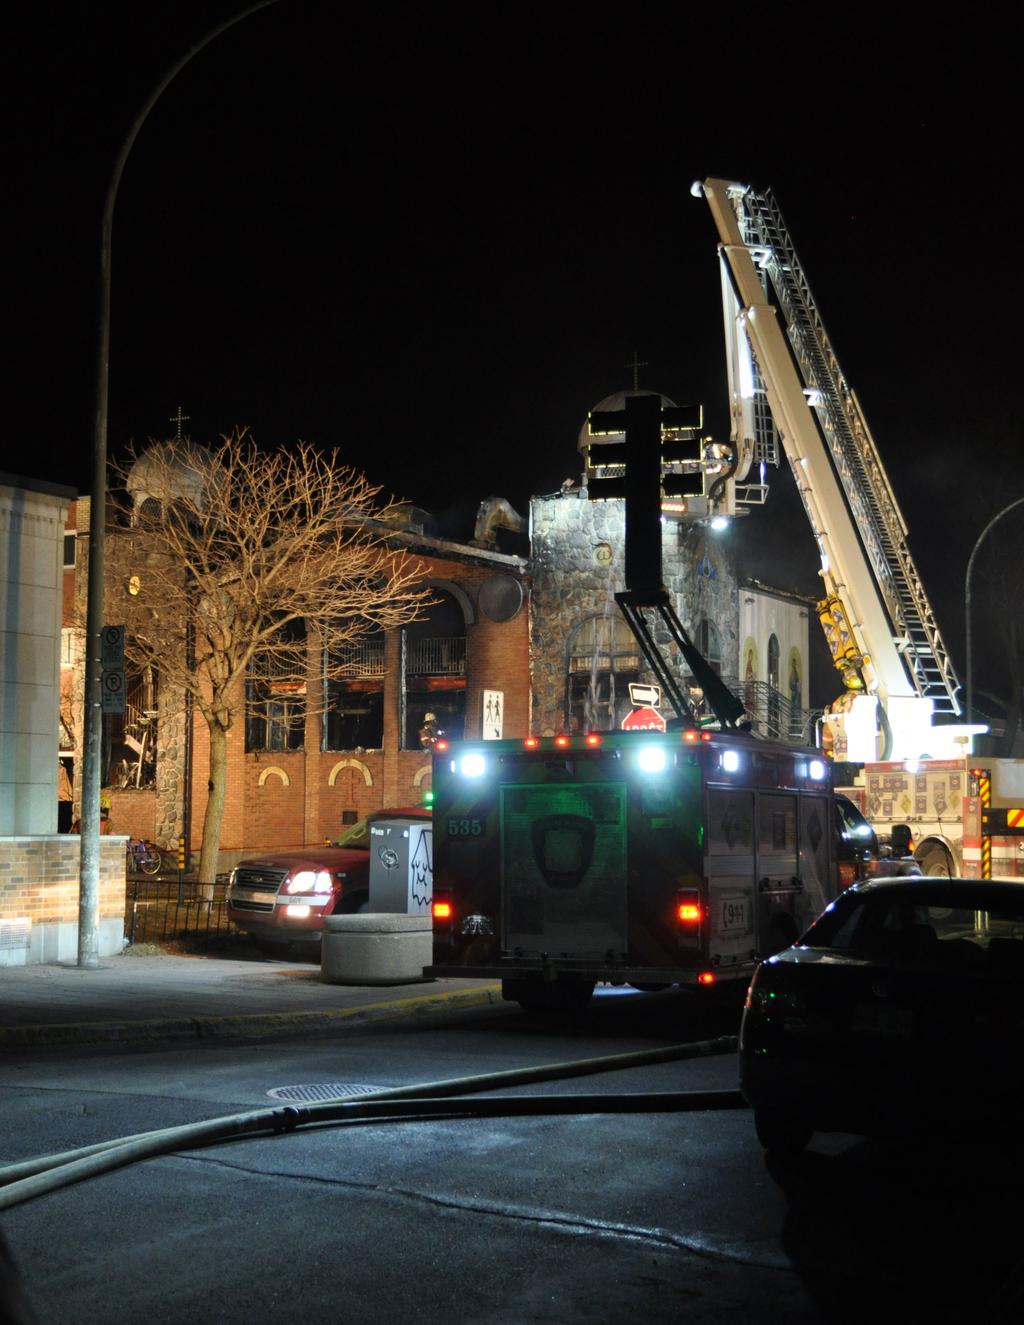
(172, 471)
(611, 403)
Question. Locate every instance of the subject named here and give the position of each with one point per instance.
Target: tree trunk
(214, 816)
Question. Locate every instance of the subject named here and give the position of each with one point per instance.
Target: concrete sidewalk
(173, 997)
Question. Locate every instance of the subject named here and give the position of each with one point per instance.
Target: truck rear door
(563, 861)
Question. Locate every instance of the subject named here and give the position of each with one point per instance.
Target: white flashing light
(472, 765)
(730, 761)
(720, 522)
(816, 768)
(652, 759)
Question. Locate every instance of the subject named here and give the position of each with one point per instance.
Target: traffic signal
(663, 443)
(682, 452)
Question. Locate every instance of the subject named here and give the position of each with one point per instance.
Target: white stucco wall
(763, 614)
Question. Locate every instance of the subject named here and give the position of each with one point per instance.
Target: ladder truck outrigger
(650, 858)
(913, 777)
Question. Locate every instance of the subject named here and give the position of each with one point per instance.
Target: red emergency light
(706, 978)
(441, 745)
(688, 908)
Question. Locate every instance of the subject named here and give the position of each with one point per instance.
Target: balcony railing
(364, 659)
(436, 657)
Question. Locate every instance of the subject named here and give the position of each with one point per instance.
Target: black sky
(433, 239)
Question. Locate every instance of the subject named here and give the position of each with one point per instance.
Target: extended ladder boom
(851, 506)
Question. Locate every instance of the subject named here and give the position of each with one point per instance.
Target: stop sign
(643, 720)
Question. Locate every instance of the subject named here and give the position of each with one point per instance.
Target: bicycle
(143, 856)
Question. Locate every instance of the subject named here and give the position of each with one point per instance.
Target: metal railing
(436, 657)
(161, 909)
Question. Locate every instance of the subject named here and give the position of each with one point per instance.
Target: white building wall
(763, 614)
(31, 586)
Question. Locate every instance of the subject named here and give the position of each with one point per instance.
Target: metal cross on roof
(178, 419)
(636, 365)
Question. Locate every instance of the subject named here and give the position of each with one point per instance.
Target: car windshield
(920, 929)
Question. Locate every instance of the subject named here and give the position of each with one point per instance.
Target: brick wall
(39, 878)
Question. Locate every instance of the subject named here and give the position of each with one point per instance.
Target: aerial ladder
(877, 619)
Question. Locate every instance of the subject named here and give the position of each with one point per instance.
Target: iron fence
(157, 909)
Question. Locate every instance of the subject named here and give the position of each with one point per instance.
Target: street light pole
(967, 600)
(88, 896)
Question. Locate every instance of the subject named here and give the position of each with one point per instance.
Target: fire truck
(632, 857)
(894, 731)
(963, 817)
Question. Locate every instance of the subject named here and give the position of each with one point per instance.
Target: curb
(240, 1025)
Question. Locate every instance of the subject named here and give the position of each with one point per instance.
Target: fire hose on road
(28, 1179)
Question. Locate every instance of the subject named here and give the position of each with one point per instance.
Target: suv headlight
(309, 881)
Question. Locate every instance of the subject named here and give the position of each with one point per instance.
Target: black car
(899, 1013)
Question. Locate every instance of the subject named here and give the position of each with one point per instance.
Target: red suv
(283, 896)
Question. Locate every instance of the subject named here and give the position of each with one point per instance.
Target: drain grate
(327, 1090)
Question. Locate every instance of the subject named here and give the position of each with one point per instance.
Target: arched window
(773, 662)
(275, 717)
(434, 672)
(774, 705)
(603, 659)
(709, 645)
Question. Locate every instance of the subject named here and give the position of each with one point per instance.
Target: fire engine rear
(647, 858)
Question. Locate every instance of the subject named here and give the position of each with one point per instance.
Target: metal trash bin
(375, 949)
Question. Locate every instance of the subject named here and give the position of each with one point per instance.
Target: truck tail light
(706, 978)
(441, 908)
(689, 911)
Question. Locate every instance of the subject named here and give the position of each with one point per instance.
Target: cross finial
(178, 419)
(636, 365)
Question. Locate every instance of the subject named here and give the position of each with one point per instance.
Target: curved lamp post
(88, 897)
(967, 599)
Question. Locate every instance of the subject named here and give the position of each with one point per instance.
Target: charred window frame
(353, 716)
(275, 719)
(434, 674)
(603, 659)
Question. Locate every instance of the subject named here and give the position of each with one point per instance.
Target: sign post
(112, 663)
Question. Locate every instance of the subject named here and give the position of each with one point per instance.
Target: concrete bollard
(375, 949)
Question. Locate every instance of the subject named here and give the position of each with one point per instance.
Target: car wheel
(781, 1133)
(356, 905)
(937, 863)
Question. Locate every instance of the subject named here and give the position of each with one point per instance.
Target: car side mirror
(900, 839)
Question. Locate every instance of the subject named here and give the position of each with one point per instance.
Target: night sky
(434, 240)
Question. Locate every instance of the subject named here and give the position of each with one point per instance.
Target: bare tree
(240, 545)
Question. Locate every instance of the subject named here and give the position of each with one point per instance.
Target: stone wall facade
(577, 566)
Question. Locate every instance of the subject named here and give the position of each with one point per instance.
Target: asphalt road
(662, 1217)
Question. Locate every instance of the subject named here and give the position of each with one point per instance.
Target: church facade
(517, 642)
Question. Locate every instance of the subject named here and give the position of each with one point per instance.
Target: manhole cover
(327, 1090)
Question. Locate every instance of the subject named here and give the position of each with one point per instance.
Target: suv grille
(258, 880)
